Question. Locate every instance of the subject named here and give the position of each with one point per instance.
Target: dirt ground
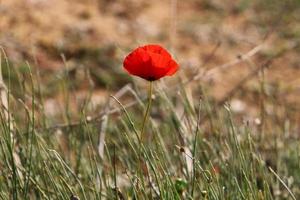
(231, 37)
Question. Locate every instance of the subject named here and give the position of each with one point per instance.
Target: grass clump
(191, 150)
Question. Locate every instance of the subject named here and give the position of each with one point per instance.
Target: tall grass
(192, 150)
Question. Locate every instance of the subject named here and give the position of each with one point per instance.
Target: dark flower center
(151, 78)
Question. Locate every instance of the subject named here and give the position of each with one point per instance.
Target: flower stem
(142, 164)
(147, 110)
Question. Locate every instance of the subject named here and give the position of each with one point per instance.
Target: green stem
(141, 139)
(147, 110)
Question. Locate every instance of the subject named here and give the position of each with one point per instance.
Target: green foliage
(180, 160)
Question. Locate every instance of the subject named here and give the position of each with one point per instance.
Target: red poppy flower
(150, 62)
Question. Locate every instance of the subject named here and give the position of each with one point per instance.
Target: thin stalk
(194, 150)
(141, 138)
(115, 173)
(147, 109)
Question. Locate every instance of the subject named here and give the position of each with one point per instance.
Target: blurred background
(60, 130)
(245, 52)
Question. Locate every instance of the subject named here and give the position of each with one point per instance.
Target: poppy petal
(173, 67)
(158, 61)
(157, 49)
(135, 63)
(150, 62)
